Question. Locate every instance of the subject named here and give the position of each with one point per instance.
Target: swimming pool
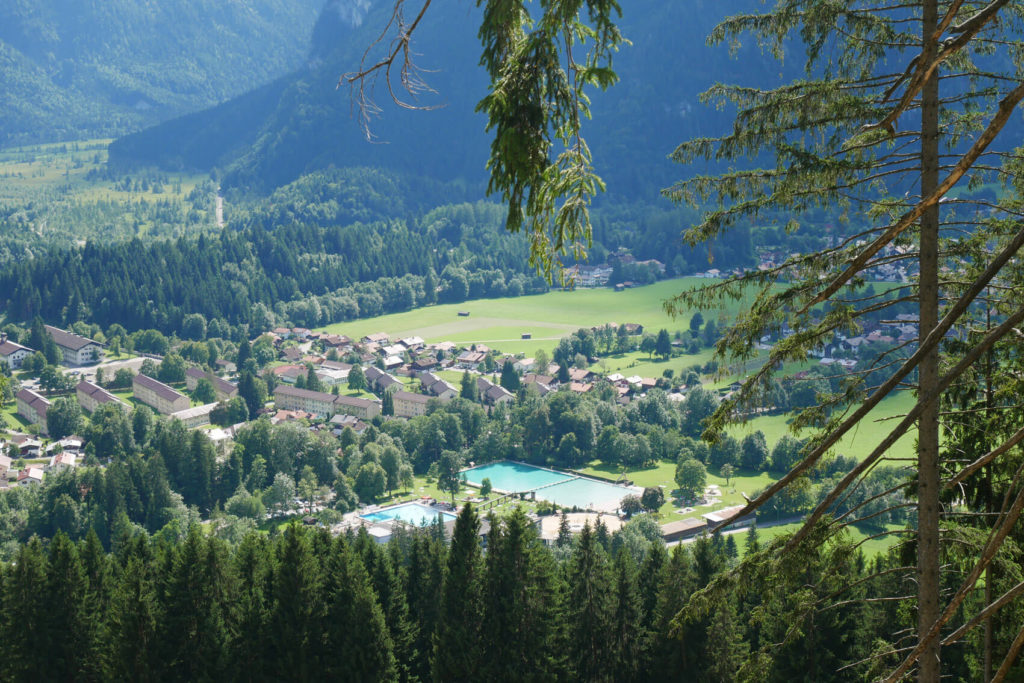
(567, 490)
(586, 494)
(410, 513)
(514, 477)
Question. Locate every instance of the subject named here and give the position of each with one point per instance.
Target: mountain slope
(301, 123)
(76, 69)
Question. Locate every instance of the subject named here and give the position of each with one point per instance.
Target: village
(329, 383)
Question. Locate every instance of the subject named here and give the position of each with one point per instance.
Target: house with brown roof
(75, 349)
(30, 476)
(376, 338)
(306, 400)
(32, 407)
(437, 387)
(469, 360)
(380, 381)
(492, 394)
(158, 395)
(91, 396)
(13, 354)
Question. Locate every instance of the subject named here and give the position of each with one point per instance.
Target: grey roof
(69, 340)
(408, 396)
(287, 390)
(159, 388)
(353, 401)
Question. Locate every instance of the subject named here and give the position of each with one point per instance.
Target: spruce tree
(629, 638)
(63, 607)
(358, 644)
(296, 608)
(457, 653)
(24, 622)
(589, 609)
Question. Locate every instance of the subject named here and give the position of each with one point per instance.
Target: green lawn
(870, 548)
(500, 323)
(859, 442)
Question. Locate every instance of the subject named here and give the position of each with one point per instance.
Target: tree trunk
(928, 428)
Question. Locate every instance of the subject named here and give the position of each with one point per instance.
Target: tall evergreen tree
(457, 648)
(589, 609)
(296, 610)
(358, 644)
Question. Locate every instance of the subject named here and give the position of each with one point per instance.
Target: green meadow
(501, 323)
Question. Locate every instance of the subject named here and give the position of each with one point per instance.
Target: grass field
(859, 442)
(870, 548)
(500, 323)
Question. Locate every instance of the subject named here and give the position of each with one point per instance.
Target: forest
(302, 605)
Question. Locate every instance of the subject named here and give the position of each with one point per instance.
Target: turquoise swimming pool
(586, 494)
(410, 513)
(567, 490)
(514, 477)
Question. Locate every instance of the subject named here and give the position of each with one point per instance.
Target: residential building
(224, 390)
(75, 349)
(293, 398)
(91, 396)
(469, 360)
(492, 394)
(357, 407)
(62, 461)
(380, 381)
(194, 417)
(340, 421)
(323, 404)
(409, 405)
(376, 338)
(158, 395)
(30, 476)
(5, 467)
(32, 407)
(13, 354)
(437, 387)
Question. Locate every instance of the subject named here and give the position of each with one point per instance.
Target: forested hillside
(335, 245)
(70, 70)
(270, 136)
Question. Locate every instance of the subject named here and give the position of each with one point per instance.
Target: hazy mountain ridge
(301, 123)
(73, 70)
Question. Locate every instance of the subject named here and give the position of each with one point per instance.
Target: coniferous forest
(303, 605)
